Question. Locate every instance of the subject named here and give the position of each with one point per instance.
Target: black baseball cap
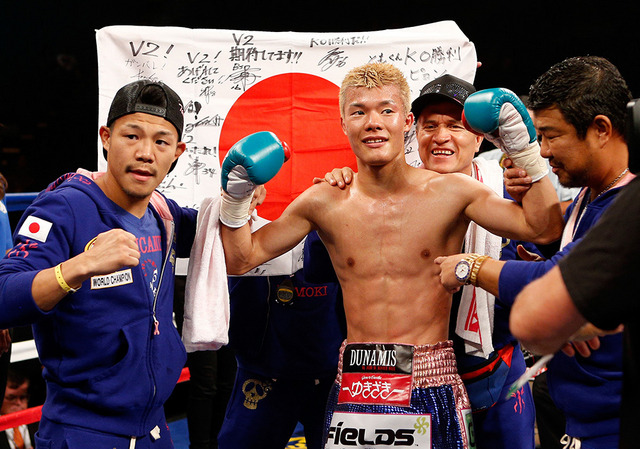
(130, 99)
(444, 87)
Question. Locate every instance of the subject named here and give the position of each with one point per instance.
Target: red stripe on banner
(33, 414)
(302, 110)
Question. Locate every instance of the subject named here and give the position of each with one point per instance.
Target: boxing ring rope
(26, 350)
(16, 419)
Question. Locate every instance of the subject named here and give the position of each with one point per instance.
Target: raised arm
(245, 250)
(253, 161)
(538, 219)
(502, 118)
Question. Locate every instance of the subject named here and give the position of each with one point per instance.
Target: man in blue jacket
(579, 110)
(93, 269)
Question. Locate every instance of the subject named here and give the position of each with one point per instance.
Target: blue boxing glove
(250, 162)
(502, 118)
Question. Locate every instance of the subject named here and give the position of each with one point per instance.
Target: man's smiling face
(444, 144)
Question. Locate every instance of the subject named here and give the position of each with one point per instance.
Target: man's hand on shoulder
(339, 177)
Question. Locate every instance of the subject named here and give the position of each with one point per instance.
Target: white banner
(212, 70)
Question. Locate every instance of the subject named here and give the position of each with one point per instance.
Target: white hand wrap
(514, 138)
(234, 212)
(530, 160)
(239, 184)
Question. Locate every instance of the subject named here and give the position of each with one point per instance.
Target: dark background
(48, 89)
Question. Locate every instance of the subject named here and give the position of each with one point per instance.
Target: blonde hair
(376, 74)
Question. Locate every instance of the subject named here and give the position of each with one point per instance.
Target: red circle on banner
(34, 228)
(302, 110)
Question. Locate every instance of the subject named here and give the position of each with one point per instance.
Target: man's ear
(409, 122)
(479, 140)
(105, 136)
(603, 127)
(180, 149)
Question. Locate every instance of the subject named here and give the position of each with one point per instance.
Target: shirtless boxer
(491, 363)
(383, 233)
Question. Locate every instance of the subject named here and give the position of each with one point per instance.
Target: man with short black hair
(579, 108)
(93, 269)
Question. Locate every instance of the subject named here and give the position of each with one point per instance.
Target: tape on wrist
(61, 282)
(234, 212)
(530, 160)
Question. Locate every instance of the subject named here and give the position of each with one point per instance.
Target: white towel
(475, 315)
(206, 302)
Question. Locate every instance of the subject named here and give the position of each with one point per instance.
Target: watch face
(462, 271)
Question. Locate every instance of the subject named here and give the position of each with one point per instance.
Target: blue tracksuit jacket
(103, 366)
(588, 390)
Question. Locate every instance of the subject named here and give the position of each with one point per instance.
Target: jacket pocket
(126, 385)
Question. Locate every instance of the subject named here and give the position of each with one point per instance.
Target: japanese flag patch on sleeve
(35, 228)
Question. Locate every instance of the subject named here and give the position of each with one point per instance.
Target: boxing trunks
(395, 395)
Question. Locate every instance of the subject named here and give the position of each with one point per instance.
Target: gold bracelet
(477, 263)
(470, 260)
(62, 283)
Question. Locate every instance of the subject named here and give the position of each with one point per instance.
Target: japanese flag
(35, 228)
